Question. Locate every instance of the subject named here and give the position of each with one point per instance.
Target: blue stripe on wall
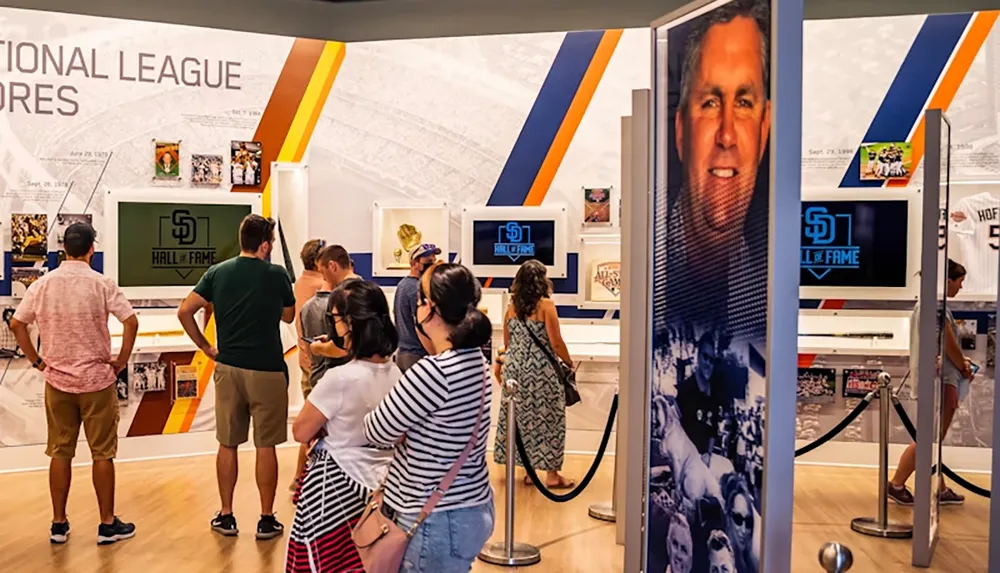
(904, 102)
(545, 118)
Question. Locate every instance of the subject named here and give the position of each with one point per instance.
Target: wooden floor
(171, 502)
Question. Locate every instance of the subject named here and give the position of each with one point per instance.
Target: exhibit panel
(496, 241)
(724, 283)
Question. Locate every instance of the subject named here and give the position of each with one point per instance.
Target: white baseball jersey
(978, 244)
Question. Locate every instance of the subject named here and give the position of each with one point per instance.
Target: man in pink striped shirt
(71, 306)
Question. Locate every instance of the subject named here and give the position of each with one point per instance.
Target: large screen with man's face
(513, 242)
(854, 243)
(173, 244)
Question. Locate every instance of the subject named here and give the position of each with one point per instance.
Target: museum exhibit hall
(280, 296)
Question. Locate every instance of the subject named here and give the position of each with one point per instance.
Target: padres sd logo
(609, 276)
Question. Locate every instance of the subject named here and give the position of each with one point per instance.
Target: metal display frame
(925, 526)
(635, 323)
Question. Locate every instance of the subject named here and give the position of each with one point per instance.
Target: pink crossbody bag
(380, 542)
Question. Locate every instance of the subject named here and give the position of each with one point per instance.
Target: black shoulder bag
(565, 373)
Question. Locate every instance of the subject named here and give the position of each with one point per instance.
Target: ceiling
(360, 20)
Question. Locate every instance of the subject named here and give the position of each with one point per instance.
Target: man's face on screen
(722, 131)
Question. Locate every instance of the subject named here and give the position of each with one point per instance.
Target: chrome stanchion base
(523, 554)
(871, 526)
(603, 511)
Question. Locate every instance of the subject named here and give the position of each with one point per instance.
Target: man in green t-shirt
(249, 297)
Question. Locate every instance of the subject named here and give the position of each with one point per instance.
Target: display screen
(172, 244)
(510, 243)
(854, 243)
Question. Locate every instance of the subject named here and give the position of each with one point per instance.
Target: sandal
(562, 484)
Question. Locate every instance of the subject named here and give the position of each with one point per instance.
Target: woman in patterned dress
(343, 467)
(541, 398)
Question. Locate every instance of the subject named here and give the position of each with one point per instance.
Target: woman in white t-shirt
(343, 466)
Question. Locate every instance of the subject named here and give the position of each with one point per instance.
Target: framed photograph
(121, 385)
(23, 277)
(206, 169)
(167, 160)
(600, 272)
(29, 237)
(967, 329)
(245, 163)
(881, 161)
(185, 382)
(64, 220)
(148, 376)
(817, 385)
(858, 382)
(597, 207)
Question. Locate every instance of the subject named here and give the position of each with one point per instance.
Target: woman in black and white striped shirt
(432, 413)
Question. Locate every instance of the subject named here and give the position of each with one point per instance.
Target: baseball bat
(876, 335)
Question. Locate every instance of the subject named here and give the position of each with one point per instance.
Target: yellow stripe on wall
(311, 107)
(293, 148)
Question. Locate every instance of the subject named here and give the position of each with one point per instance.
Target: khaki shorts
(244, 394)
(97, 411)
(307, 386)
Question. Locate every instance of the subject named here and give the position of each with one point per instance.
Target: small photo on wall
(817, 385)
(991, 341)
(881, 161)
(206, 169)
(606, 281)
(185, 382)
(597, 206)
(121, 384)
(148, 376)
(967, 333)
(245, 163)
(23, 277)
(858, 382)
(167, 161)
(29, 237)
(64, 220)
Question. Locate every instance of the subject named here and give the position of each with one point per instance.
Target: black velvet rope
(903, 417)
(562, 498)
(865, 402)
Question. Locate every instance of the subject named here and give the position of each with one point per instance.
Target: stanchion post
(510, 553)
(880, 526)
(835, 558)
(608, 511)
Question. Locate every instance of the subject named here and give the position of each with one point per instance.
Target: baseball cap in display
(424, 250)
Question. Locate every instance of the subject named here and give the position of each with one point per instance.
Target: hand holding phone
(308, 340)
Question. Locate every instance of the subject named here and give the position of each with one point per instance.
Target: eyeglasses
(740, 519)
(718, 543)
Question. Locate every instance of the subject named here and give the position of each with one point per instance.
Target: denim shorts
(447, 541)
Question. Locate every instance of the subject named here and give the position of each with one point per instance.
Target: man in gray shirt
(422, 257)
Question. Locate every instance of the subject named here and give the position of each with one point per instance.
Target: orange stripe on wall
(318, 110)
(570, 123)
(966, 53)
(284, 103)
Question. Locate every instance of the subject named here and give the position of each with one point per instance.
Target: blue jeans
(447, 541)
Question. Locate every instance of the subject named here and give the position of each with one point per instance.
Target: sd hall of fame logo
(183, 243)
(827, 243)
(514, 242)
(609, 276)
